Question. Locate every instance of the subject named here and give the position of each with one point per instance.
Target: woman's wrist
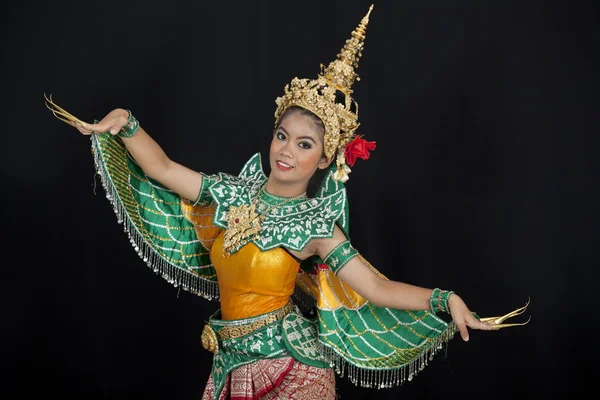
(440, 300)
(452, 300)
(131, 127)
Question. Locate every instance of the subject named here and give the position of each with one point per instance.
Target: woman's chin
(282, 176)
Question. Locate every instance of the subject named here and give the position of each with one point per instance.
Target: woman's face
(296, 150)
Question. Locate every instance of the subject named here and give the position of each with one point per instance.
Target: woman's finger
(119, 122)
(474, 323)
(463, 331)
(80, 129)
(100, 127)
(112, 123)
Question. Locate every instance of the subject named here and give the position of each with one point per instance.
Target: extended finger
(474, 323)
(84, 131)
(464, 333)
(100, 127)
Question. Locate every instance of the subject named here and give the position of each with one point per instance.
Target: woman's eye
(280, 136)
(304, 145)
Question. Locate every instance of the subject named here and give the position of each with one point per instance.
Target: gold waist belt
(233, 329)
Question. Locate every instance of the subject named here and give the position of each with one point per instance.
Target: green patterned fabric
(153, 219)
(302, 340)
(377, 346)
(293, 336)
(381, 347)
(340, 255)
(204, 198)
(270, 341)
(374, 346)
(439, 300)
(327, 187)
(292, 225)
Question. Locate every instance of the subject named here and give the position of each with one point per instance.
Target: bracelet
(131, 127)
(438, 301)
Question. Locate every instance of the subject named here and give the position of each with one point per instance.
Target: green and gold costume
(182, 241)
(233, 244)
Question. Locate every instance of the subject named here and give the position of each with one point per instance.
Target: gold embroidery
(233, 332)
(209, 339)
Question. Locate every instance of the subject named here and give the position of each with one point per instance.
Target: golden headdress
(329, 97)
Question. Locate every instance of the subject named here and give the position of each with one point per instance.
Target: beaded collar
(291, 225)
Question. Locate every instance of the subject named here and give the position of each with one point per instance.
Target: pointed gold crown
(329, 95)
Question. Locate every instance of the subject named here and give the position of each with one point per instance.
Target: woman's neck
(285, 189)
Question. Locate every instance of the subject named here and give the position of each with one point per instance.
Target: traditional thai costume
(233, 244)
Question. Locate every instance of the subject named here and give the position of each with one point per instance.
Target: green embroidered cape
(375, 346)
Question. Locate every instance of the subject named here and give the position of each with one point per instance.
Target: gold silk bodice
(253, 282)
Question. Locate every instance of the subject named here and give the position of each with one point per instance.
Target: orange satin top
(253, 282)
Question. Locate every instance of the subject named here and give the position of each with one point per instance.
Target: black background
(484, 179)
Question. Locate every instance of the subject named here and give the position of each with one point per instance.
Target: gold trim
(233, 332)
(209, 339)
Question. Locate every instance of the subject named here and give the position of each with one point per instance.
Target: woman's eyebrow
(299, 137)
(307, 137)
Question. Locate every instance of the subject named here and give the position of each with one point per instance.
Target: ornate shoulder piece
(232, 191)
(294, 226)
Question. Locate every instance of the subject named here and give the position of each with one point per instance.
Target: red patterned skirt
(280, 378)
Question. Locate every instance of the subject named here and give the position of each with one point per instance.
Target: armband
(438, 301)
(204, 198)
(131, 127)
(339, 256)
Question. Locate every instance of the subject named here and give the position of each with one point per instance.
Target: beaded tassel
(176, 276)
(385, 378)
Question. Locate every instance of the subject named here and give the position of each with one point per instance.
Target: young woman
(253, 239)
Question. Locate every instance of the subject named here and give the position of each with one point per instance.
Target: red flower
(358, 147)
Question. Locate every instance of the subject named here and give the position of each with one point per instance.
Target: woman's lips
(283, 166)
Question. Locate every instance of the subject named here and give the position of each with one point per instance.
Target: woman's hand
(146, 152)
(463, 317)
(113, 122)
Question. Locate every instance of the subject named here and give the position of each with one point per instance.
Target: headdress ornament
(329, 97)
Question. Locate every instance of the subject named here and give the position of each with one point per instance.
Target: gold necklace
(243, 222)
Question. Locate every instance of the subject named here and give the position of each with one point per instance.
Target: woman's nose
(286, 150)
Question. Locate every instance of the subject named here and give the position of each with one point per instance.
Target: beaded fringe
(389, 377)
(375, 378)
(178, 277)
(303, 300)
(360, 376)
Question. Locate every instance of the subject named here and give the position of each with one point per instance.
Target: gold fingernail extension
(61, 113)
(497, 322)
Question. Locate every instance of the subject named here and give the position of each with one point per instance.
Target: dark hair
(319, 175)
(303, 111)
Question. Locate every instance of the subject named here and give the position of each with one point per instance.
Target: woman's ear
(325, 162)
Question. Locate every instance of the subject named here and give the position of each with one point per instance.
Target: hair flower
(358, 148)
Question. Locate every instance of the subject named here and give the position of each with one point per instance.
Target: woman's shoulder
(247, 183)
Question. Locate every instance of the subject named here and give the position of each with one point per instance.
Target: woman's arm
(379, 291)
(391, 294)
(150, 156)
